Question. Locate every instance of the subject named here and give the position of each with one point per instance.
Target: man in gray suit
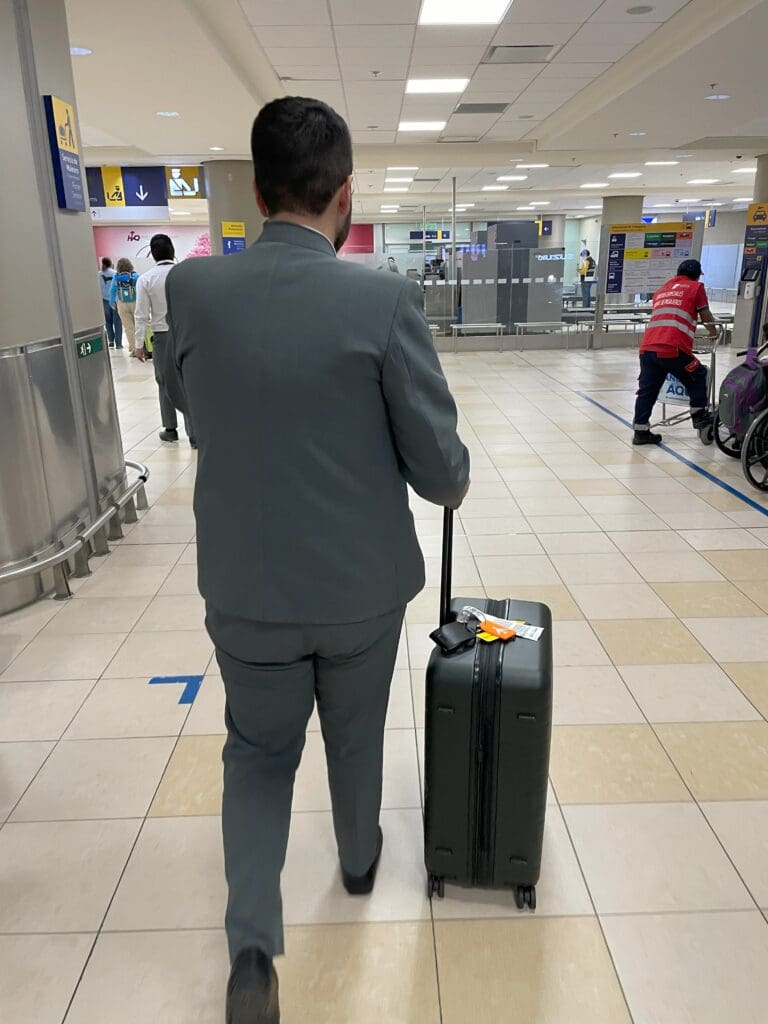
(317, 397)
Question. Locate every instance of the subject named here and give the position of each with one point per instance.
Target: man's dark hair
(161, 248)
(106, 262)
(302, 153)
(690, 268)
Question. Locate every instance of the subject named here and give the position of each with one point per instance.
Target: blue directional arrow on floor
(192, 685)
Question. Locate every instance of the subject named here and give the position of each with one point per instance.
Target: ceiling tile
(608, 33)
(592, 52)
(370, 138)
(552, 13)
(428, 108)
(301, 71)
(372, 57)
(374, 12)
(535, 34)
(309, 56)
(507, 94)
(569, 69)
(329, 92)
(350, 36)
(503, 74)
(616, 10)
(448, 36)
(456, 54)
(386, 73)
(278, 12)
(294, 35)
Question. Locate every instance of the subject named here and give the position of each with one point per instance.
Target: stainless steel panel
(57, 436)
(101, 413)
(26, 526)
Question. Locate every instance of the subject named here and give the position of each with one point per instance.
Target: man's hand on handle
(141, 354)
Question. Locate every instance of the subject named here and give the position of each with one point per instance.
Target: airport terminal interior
(538, 168)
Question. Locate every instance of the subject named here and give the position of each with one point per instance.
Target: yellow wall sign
(757, 214)
(637, 254)
(233, 228)
(184, 183)
(66, 129)
(114, 189)
(675, 225)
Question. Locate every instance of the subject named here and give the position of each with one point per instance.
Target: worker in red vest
(667, 347)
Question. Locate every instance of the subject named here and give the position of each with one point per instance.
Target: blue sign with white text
(65, 153)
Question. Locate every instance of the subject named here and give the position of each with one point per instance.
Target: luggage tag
(454, 637)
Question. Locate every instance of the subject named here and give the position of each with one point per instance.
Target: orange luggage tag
(497, 631)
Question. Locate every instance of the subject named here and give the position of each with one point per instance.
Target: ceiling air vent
(519, 54)
(458, 138)
(481, 108)
(427, 181)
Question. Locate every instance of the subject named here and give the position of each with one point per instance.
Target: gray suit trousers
(273, 674)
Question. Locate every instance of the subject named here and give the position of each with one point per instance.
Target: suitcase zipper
(489, 667)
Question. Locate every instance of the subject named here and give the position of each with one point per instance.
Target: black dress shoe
(361, 885)
(252, 992)
(169, 435)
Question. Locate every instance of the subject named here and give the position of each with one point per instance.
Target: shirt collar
(297, 234)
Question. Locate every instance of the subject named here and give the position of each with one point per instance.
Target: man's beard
(343, 234)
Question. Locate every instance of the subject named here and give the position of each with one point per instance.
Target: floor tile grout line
(121, 876)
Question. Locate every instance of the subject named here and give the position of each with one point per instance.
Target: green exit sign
(88, 346)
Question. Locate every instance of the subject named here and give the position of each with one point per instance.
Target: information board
(642, 257)
(756, 239)
(65, 153)
(232, 236)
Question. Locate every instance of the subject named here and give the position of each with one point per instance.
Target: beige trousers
(126, 311)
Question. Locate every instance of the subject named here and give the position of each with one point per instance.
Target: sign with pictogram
(65, 153)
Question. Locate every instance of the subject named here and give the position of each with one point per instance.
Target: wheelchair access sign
(674, 393)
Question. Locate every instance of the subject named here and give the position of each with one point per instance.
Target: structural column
(616, 210)
(229, 184)
(760, 194)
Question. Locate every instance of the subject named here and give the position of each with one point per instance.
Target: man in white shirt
(152, 312)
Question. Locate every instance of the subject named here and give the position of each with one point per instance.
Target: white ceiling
(217, 61)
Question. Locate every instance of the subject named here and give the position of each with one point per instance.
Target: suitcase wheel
(435, 887)
(525, 896)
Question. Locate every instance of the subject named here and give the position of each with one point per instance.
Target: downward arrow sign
(141, 194)
(190, 689)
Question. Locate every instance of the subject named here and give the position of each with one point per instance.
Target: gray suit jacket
(316, 394)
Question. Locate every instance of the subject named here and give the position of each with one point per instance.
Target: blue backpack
(125, 287)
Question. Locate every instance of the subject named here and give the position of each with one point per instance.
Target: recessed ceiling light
(395, 181)
(513, 177)
(637, 135)
(532, 167)
(436, 85)
(703, 181)
(594, 184)
(661, 206)
(167, 113)
(421, 126)
(745, 170)
(216, 149)
(689, 200)
(661, 163)
(181, 213)
(717, 96)
(715, 204)
(626, 174)
(402, 169)
(640, 9)
(495, 188)
(459, 12)
(541, 202)
(527, 208)
(80, 51)
(594, 207)
(395, 189)
(744, 199)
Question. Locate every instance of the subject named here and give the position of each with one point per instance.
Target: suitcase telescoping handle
(445, 575)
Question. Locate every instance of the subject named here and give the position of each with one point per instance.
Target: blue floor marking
(190, 690)
(681, 458)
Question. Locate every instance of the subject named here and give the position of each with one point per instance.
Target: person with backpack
(587, 277)
(111, 319)
(122, 296)
(667, 347)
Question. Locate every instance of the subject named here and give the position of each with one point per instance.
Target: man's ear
(345, 196)
(260, 201)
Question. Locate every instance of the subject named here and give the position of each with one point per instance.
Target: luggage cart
(703, 346)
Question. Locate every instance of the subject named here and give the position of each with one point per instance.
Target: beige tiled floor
(655, 865)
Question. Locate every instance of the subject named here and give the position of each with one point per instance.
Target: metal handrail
(32, 568)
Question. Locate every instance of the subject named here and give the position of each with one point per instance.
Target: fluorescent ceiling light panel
(462, 12)
(743, 199)
(626, 174)
(718, 96)
(436, 85)
(513, 177)
(395, 181)
(167, 113)
(396, 189)
(532, 167)
(216, 149)
(527, 208)
(542, 202)
(594, 184)
(80, 51)
(661, 163)
(689, 200)
(421, 126)
(703, 181)
(594, 207)
(637, 135)
(745, 170)
(401, 169)
(495, 188)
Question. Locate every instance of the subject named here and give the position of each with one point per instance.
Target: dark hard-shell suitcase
(488, 727)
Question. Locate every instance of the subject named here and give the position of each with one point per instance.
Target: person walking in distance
(151, 312)
(317, 398)
(122, 296)
(587, 269)
(111, 319)
(667, 347)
